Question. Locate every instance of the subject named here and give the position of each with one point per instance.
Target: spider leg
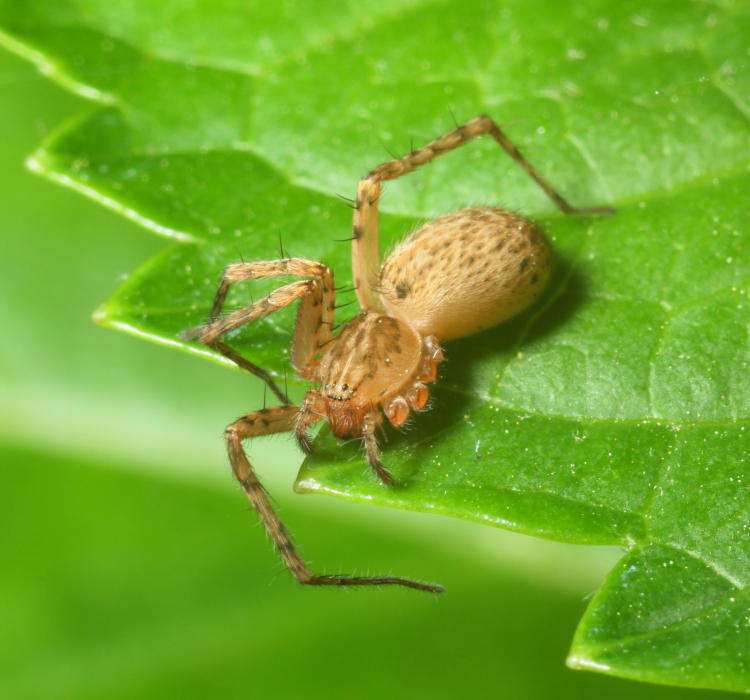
(372, 421)
(248, 366)
(458, 137)
(264, 422)
(314, 319)
(276, 420)
(365, 251)
(236, 272)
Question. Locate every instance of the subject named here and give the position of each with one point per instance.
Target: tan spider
(456, 275)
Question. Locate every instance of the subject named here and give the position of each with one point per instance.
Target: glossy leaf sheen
(614, 411)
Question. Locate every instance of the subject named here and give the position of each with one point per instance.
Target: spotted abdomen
(465, 272)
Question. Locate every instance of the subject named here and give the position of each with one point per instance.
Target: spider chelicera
(456, 275)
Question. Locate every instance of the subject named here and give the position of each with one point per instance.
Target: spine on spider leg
(365, 249)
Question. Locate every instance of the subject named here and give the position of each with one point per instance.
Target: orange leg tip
(417, 396)
(431, 375)
(397, 410)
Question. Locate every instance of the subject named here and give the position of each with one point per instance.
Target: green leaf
(615, 410)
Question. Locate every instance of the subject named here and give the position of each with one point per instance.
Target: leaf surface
(615, 410)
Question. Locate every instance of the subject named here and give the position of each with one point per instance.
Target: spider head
(345, 417)
(376, 360)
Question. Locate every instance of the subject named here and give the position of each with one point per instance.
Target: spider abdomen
(466, 271)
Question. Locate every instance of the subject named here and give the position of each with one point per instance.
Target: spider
(457, 275)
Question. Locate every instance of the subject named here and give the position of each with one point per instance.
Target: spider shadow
(471, 362)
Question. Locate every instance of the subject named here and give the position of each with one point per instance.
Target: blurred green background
(134, 567)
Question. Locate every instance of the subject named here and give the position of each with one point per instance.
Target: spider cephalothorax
(375, 360)
(456, 275)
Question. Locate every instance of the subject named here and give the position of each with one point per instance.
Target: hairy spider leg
(313, 331)
(275, 420)
(365, 250)
(372, 421)
(314, 318)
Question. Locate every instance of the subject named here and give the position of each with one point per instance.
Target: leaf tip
(100, 315)
(306, 485)
(580, 662)
(36, 161)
